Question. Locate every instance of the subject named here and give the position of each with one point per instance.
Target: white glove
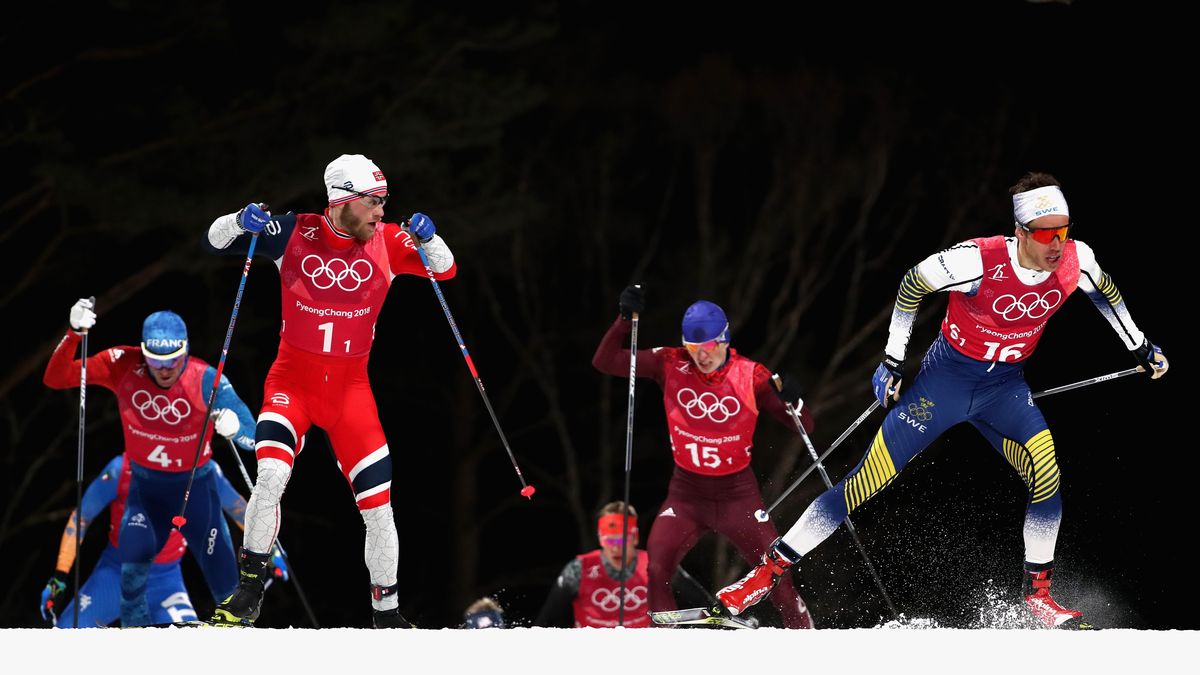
(82, 316)
(226, 423)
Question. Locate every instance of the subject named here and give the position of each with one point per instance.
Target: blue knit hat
(705, 321)
(164, 337)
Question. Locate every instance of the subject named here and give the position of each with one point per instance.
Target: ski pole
(278, 544)
(761, 515)
(812, 452)
(527, 490)
(628, 461)
(179, 520)
(1094, 380)
(79, 462)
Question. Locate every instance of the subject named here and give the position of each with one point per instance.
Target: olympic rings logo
(1031, 304)
(160, 407)
(919, 413)
(336, 271)
(609, 600)
(708, 405)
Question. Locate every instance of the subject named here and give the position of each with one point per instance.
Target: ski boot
(389, 618)
(242, 606)
(386, 618)
(1044, 609)
(745, 592)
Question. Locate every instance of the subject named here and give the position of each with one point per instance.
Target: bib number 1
(327, 342)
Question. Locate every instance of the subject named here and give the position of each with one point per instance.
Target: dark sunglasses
(372, 200)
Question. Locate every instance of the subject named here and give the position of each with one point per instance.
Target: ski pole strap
(381, 592)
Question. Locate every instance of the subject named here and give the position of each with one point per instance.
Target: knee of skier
(273, 475)
(275, 438)
(379, 519)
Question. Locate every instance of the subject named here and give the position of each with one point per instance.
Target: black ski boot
(387, 618)
(390, 618)
(242, 606)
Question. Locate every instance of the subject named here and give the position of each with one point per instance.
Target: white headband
(353, 172)
(1043, 201)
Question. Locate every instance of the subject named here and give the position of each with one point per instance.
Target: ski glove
(82, 316)
(226, 423)
(788, 390)
(422, 226)
(254, 217)
(55, 588)
(886, 381)
(632, 301)
(279, 563)
(1152, 358)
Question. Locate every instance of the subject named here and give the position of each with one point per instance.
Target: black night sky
(788, 164)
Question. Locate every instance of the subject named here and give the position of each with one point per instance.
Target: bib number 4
(159, 456)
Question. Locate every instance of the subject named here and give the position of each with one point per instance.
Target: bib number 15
(705, 456)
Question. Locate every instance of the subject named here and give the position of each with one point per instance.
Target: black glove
(788, 390)
(1151, 358)
(632, 301)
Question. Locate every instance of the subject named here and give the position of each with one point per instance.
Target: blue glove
(50, 595)
(422, 226)
(886, 380)
(1151, 357)
(280, 564)
(254, 217)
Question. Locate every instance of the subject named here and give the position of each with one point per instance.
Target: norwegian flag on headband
(379, 177)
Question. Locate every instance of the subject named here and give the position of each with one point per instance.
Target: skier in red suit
(335, 269)
(712, 397)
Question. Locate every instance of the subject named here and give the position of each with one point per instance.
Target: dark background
(788, 164)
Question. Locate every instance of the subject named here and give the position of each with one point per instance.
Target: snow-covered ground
(532, 651)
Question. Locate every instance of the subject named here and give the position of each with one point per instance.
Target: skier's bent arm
(611, 358)
(958, 268)
(1103, 293)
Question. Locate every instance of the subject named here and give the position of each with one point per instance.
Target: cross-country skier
(589, 587)
(335, 270)
(712, 397)
(100, 593)
(162, 394)
(587, 591)
(1003, 290)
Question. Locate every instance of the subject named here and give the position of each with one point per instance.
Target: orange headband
(612, 525)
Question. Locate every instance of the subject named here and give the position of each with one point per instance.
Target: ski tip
(527, 491)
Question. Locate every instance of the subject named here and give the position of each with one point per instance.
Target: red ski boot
(1044, 609)
(745, 592)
